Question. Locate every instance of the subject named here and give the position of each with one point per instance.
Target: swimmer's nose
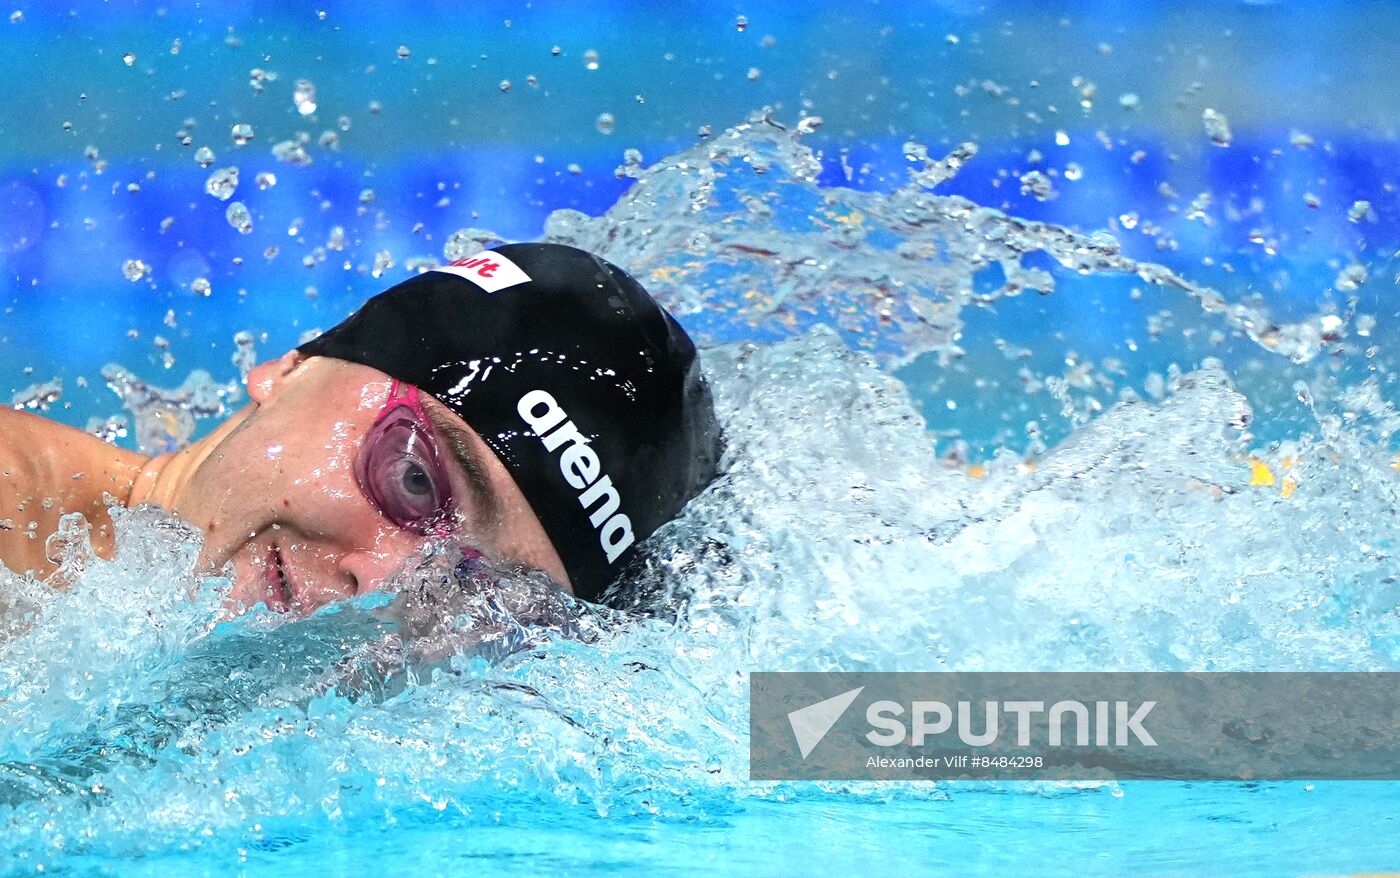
(364, 571)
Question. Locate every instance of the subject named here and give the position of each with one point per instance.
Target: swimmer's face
(278, 497)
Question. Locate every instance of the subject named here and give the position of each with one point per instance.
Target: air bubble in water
(204, 156)
(1217, 127)
(741, 23)
(754, 73)
(242, 134)
(222, 182)
(16, 17)
(403, 52)
(574, 169)
(304, 96)
(1073, 172)
(590, 59)
(266, 180)
(134, 270)
(200, 286)
(129, 58)
(1129, 101)
(1062, 138)
(808, 124)
(505, 85)
(239, 217)
(605, 123)
(1360, 210)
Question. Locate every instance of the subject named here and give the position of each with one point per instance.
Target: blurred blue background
(435, 116)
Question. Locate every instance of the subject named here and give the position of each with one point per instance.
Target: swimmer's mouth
(277, 586)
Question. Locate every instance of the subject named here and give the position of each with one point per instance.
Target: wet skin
(273, 489)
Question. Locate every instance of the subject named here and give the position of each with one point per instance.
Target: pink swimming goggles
(401, 470)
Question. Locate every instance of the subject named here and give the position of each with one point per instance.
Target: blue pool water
(971, 426)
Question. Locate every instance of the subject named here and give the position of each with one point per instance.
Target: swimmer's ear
(265, 379)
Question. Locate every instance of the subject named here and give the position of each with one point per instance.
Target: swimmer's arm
(47, 470)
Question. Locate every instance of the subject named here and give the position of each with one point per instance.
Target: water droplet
(574, 169)
(291, 152)
(741, 23)
(375, 107)
(754, 73)
(1217, 127)
(1312, 200)
(1351, 277)
(403, 52)
(1073, 172)
(129, 58)
(16, 17)
(1300, 140)
(266, 180)
(1037, 185)
(605, 123)
(134, 270)
(1360, 210)
(242, 134)
(204, 156)
(1062, 138)
(631, 164)
(239, 217)
(1129, 101)
(200, 286)
(590, 59)
(555, 51)
(304, 96)
(222, 182)
(505, 85)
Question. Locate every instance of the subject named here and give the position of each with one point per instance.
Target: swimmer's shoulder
(36, 452)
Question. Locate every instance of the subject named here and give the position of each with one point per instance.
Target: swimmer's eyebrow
(459, 447)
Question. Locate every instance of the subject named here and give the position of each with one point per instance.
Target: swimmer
(531, 403)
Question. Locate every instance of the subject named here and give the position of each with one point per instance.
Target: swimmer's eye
(401, 474)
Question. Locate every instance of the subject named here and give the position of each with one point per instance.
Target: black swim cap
(587, 390)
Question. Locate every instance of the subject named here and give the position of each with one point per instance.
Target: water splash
(837, 538)
(165, 419)
(737, 232)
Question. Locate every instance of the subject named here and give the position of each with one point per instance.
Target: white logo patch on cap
(489, 270)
